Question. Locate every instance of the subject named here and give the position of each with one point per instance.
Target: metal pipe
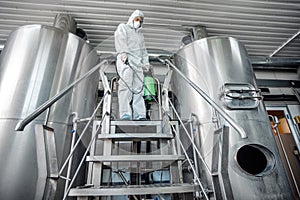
(159, 98)
(47, 117)
(21, 125)
(82, 160)
(193, 138)
(81, 135)
(187, 134)
(112, 81)
(275, 62)
(186, 155)
(284, 44)
(238, 128)
(296, 93)
(74, 131)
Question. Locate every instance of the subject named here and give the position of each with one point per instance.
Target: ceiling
(262, 25)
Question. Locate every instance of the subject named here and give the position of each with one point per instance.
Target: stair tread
(134, 189)
(134, 157)
(133, 136)
(136, 122)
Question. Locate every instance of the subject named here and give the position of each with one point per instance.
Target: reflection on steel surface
(36, 63)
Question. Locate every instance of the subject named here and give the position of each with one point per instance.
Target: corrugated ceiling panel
(261, 25)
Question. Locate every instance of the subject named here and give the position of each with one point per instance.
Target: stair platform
(136, 122)
(135, 136)
(134, 190)
(134, 158)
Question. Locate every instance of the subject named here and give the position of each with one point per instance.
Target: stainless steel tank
(220, 67)
(36, 63)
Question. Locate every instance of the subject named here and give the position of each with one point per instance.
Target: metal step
(134, 158)
(135, 136)
(135, 190)
(136, 122)
(136, 126)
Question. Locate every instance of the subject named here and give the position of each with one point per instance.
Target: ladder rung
(134, 158)
(135, 136)
(135, 190)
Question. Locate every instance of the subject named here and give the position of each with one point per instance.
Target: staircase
(135, 160)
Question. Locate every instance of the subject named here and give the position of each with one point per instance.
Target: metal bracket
(47, 162)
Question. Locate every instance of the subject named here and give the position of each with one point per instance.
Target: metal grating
(261, 25)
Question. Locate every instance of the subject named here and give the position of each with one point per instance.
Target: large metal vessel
(252, 168)
(36, 63)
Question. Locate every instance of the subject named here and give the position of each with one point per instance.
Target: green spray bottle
(149, 86)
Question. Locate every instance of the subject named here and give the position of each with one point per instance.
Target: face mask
(136, 24)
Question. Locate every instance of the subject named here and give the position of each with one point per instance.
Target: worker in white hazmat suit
(132, 61)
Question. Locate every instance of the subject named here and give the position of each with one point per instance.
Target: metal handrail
(21, 125)
(191, 165)
(84, 156)
(194, 148)
(237, 127)
(81, 135)
(189, 137)
(104, 116)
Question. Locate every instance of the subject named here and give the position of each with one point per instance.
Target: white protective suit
(130, 41)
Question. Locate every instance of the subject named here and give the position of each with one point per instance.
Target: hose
(126, 62)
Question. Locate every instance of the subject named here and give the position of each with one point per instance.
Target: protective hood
(136, 13)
